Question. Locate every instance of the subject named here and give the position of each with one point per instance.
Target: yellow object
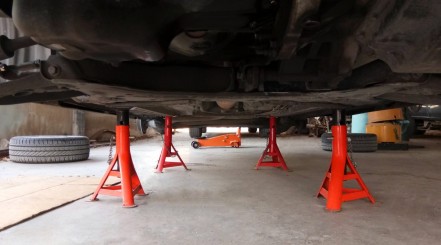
(386, 132)
(385, 115)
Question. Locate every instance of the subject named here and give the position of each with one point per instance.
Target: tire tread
(48, 149)
(360, 142)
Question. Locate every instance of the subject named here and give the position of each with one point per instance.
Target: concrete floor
(224, 201)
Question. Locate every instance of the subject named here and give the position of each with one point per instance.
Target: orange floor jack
(233, 140)
(168, 149)
(272, 150)
(340, 170)
(130, 184)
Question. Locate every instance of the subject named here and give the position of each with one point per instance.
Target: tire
(414, 128)
(419, 127)
(419, 132)
(301, 126)
(48, 149)
(195, 144)
(252, 130)
(263, 132)
(195, 133)
(359, 142)
(141, 125)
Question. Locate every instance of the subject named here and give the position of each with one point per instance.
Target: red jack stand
(332, 187)
(168, 150)
(130, 184)
(272, 150)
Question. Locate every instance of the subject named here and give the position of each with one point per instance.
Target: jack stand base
(130, 184)
(133, 206)
(272, 151)
(168, 150)
(340, 170)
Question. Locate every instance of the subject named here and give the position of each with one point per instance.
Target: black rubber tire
(301, 127)
(419, 132)
(360, 142)
(195, 132)
(142, 125)
(48, 149)
(263, 132)
(195, 144)
(414, 128)
(252, 130)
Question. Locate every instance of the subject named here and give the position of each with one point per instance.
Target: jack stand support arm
(130, 184)
(168, 149)
(272, 150)
(332, 187)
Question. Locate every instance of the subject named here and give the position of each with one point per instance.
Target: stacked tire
(48, 149)
(358, 142)
(252, 130)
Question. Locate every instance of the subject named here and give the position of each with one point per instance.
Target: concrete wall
(34, 119)
(38, 119)
(97, 122)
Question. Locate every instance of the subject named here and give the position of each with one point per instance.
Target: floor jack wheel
(195, 144)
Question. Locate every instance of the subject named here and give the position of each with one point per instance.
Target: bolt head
(53, 70)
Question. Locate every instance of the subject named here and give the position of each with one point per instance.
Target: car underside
(229, 63)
